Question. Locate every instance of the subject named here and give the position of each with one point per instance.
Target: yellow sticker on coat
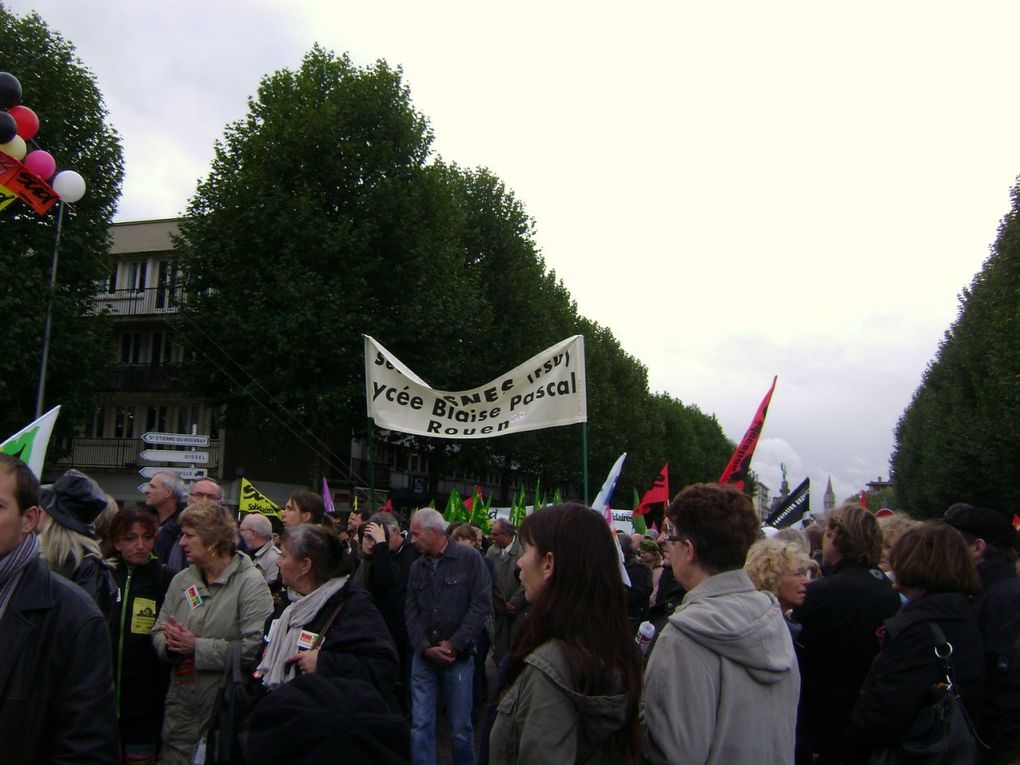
(143, 616)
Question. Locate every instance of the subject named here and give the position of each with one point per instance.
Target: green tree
(320, 220)
(74, 128)
(956, 441)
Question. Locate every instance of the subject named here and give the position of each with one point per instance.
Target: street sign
(142, 487)
(188, 474)
(175, 439)
(166, 455)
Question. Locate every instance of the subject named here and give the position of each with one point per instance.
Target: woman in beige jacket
(220, 597)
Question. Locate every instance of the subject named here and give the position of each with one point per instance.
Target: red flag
(658, 493)
(1016, 521)
(736, 471)
(388, 507)
(864, 500)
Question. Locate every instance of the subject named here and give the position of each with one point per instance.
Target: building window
(131, 348)
(112, 284)
(99, 422)
(155, 419)
(136, 275)
(188, 418)
(162, 348)
(124, 426)
(166, 276)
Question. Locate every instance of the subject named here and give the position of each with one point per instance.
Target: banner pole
(371, 466)
(584, 452)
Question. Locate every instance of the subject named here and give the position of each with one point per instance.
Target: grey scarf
(11, 566)
(284, 634)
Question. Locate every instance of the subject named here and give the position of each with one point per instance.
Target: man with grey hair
(205, 490)
(507, 592)
(165, 493)
(449, 596)
(257, 532)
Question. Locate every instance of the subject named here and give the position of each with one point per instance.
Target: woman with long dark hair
(573, 681)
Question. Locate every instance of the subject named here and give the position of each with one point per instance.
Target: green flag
(29, 444)
(638, 521)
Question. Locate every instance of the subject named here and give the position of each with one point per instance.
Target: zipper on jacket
(125, 605)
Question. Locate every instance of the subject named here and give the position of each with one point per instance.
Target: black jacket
(358, 645)
(141, 678)
(902, 676)
(386, 581)
(840, 615)
(56, 679)
(640, 591)
(95, 576)
(168, 542)
(997, 611)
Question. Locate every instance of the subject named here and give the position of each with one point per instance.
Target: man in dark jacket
(386, 559)
(840, 615)
(990, 535)
(165, 493)
(56, 678)
(449, 597)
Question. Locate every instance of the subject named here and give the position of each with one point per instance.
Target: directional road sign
(166, 455)
(188, 474)
(175, 439)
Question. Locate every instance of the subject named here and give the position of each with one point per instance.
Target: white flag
(29, 444)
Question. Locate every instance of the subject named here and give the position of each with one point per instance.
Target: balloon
(28, 122)
(8, 127)
(15, 148)
(70, 186)
(41, 163)
(10, 90)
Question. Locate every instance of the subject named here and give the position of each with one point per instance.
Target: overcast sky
(737, 189)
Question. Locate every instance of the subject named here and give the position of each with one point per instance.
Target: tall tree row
(957, 440)
(325, 216)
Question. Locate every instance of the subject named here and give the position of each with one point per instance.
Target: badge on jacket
(194, 599)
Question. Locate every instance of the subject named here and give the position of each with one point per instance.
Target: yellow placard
(143, 616)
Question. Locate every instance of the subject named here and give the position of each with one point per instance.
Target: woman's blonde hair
(64, 549)
(214, 525)
(770, 560)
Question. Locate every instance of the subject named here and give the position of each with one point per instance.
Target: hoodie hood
(600, 716)
(725, 614)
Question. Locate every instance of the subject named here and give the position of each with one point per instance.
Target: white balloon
(15, 148)
(70, 186)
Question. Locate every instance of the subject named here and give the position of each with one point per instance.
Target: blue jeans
(455, 681)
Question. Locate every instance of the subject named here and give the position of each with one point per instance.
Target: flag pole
(584, 455)
(40, 392)
(371, 466)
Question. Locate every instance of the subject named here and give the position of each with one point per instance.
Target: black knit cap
(982, 523)
(74, 501)
(318, 720)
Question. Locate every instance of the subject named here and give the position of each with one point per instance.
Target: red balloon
(28, 122)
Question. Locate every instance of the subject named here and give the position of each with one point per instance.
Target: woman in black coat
(334, 628)
(936, 573)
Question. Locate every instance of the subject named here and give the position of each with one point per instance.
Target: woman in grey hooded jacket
(573, 682)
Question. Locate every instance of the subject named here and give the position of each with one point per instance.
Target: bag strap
(232, 663)
(329, 623)
(943, 650)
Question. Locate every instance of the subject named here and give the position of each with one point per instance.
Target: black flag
(793, 507)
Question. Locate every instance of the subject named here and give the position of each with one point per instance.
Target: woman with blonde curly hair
(782, 568)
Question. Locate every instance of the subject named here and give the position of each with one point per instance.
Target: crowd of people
(171, 633)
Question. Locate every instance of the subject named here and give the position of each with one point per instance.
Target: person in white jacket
(722, 683)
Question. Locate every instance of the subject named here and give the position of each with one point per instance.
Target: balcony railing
(85, 452)
(143, 377)
(151, 301)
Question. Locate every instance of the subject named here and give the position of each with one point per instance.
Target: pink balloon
(41, 163)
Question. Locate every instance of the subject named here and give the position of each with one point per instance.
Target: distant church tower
(829, 498)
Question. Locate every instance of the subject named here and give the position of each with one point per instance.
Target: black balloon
(10, 91)
(8, 127)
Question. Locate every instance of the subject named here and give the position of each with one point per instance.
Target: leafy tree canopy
(75, 130)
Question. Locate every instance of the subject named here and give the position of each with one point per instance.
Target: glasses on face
(672, 538)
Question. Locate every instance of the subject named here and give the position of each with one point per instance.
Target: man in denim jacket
(449, 596)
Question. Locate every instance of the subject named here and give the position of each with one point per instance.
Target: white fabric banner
(29, 444)
(545, 391)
